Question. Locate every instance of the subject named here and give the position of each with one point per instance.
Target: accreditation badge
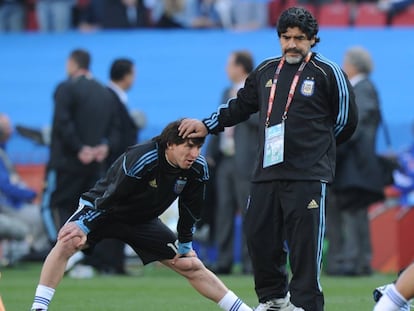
(274, 144)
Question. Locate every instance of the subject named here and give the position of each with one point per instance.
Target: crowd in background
(89, 15)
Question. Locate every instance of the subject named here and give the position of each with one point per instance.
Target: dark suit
(233, 174)
(109, 254)
(115, 15)
(128, 128)
(83, 116)
(357, 185)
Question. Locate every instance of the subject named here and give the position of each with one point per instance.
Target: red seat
(368, 14)
(276, 7)
(31, 18)
(334, 14)
(404, 18)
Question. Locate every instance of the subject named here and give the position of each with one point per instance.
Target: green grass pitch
(155, 288)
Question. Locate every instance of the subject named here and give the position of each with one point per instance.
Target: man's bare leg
(206, 283)
(396, 296)
(405, 283)
(70, 240)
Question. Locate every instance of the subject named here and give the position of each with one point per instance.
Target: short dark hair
(120, 68)
(169, 135)
(81, 57)
(301, 18)
(244, 59)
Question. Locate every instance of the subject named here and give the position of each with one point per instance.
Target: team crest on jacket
(179, 185)
(308, 87)
(153, 183)
(269, 83)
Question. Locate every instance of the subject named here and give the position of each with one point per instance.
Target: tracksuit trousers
(286, 219)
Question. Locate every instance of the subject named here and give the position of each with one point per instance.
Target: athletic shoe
(379, 291)
(37, 309)
(279, 304)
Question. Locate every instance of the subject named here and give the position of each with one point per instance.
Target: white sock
(392, 300)
(230, 302)
(43, 297)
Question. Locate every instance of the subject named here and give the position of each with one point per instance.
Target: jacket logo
(269, 83)
(308, 87)
(312, 204)
(179, 185)
(153, 183)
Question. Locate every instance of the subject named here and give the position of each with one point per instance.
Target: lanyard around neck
(292, 87)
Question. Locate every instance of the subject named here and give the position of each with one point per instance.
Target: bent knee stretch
(66, 249)
(189, 265)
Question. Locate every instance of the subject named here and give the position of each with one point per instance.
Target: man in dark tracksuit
(126, 204)
(286, 210)
(83, 134)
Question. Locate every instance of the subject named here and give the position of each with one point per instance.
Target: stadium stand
(31, 20)
(391, 232)
(404, 18)
(276, 7)
(334, 14)
(368, 14)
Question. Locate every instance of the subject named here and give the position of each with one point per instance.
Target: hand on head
(192, 128)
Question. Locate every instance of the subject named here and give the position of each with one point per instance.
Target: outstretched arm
(236, 110)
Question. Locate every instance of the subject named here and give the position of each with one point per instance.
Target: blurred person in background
(20, 218)
(84, 133)
(112, 14)
(186, 14)
(243, 14)
(233, 150)
(122, 77)
(403, 175)
(205, 14)
(124, 14)
(250, 14)
(393, 8)
(54, 15)
(358, 181)
(12, 15)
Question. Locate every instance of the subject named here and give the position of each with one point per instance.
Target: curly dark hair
(301, 18)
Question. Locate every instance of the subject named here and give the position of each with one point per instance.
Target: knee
(66, 249)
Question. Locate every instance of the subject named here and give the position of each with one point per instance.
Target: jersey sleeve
(191, 201)
(344, 107)
(236, 109)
